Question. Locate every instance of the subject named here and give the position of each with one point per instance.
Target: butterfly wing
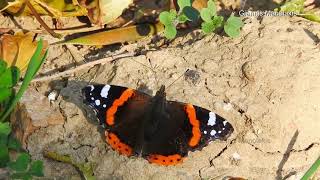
(120, 110)
(184, 128)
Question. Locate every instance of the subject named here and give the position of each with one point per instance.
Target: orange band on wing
(165, 160)
(196, 133)
(117, 145)
(118, 102)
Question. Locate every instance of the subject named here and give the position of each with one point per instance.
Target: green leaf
(232, 26)
(170, 32)
(5, 93)
(3, 140)
(167, 18)
(9, 77)
(36, 168)
(5, 128)
(208, 27)
(184, 3)
(217, 21)
(3, 66)
(21, 164)
(296, 6)
(21, 175)
(312, 170)
(4, 156)
(205, 15)
(191, 13)
(14, 144)
(182, 18)
(212, 7)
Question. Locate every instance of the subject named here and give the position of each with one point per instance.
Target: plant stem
(312, 170)
(37, 16)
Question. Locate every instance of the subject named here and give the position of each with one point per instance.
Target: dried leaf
(55, 8)
(18, 49)
(126, 34)
(106, 11)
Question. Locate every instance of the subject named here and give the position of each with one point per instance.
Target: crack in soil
(312, 145)
(221, 152)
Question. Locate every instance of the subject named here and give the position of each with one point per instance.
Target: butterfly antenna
(177, 78)
(154, 73)
(151, 68)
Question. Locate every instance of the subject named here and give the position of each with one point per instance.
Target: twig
(78, 29)
(83, 66)
(37, 16)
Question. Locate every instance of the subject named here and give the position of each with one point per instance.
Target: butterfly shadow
(71, 92)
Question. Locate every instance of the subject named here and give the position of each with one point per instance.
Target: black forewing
(127, 117)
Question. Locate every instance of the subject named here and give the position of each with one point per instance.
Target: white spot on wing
(213, 132)
(97, 102)
(212, 119)
(224, 123)
(219, 132)
(205, 132)
(104, 105)
(92, 98)
(92, 87)
(105, 90)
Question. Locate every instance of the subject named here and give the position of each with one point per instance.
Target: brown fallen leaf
(119, 35)
(105, 11)
(18, 49)
(53, 8)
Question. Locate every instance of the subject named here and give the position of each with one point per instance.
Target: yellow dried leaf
(17, 50)
(54, 8)
(106, 11)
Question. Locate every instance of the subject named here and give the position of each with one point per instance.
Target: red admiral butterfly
(160, 131)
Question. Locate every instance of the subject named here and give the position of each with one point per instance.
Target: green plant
(9, 77)
(297, 6)
(170, 19)
(308, 175)
(22, 167)
(211, 21)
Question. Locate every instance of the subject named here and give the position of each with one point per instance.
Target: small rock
(33, 112)
(53, 96)
(236, 156)
(235, 159)
(227, 106)
(193, 76)
(248, 71)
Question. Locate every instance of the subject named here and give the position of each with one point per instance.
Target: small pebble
(52, 96)
(193, 76)
(247, 71)
(236, 156)
(227, 106)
